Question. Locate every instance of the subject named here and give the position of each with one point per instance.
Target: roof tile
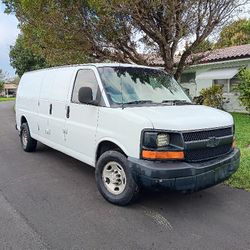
(229, 53)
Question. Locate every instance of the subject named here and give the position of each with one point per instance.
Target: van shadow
(165, 198)
(63, 160)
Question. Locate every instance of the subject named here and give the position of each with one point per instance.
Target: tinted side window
(85, 78)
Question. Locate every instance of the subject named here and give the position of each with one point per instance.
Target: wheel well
(106, 146)
(23, 120)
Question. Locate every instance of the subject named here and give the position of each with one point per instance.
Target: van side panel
(27, 99)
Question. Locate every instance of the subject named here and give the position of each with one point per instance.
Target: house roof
(10, 86)
(229, 53)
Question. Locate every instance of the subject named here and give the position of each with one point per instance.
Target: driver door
(81, 121)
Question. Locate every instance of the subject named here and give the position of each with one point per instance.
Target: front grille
(205, 134)
(206, 153)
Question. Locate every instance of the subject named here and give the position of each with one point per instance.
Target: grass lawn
(3, 99)
(241, 179)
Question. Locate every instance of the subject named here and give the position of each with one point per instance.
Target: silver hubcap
(24, 138)
(114, 178)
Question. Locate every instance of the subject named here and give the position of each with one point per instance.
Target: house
(9, 89)
(217, 67)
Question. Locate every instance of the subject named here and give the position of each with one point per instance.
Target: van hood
(185, 117)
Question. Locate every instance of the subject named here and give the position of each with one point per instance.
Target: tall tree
(23, 59)
(236, 33)
(67, 31)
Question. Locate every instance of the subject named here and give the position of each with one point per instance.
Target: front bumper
(184, 176)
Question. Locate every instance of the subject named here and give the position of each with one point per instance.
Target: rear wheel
(28, 143)
(114, 179)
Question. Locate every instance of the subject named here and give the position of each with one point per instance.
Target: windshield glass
(134, 85)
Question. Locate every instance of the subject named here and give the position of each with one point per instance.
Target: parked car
(134, 124)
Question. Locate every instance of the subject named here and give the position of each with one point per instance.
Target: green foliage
(78, 31)
(237, 33)
(23, 59)
(59, 31)
(244, 88)
(212, 97)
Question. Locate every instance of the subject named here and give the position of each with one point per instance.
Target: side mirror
(85, 95)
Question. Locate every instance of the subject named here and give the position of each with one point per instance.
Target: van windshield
(134, 85)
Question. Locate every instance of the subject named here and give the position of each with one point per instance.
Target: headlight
(162, 140)
(155, 139)
(161, 145)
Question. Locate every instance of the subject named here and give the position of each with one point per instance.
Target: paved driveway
(49, 201)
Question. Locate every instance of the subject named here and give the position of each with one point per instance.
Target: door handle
(50, 109)
(68, 112)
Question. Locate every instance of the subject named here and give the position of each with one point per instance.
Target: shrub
(198, 99)
(212, 97)
(244, 88)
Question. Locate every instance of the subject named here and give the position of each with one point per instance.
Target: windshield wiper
(138, 102)
(177, 102)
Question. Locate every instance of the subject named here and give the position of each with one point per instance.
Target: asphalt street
(50, 201)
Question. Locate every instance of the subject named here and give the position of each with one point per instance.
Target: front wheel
(28, 143)
(114, 179)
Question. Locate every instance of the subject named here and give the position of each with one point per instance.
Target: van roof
(97, 65)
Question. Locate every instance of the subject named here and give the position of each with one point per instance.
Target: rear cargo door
(44, 104)
(52, 105)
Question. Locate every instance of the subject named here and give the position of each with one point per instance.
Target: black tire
(131, 190)
(30, 144)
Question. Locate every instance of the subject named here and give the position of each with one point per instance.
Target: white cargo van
(134, 124)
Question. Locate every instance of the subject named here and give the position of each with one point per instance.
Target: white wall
(202, 84)
(232, 103)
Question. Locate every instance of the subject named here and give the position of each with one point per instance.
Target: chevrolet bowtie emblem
(213, 142)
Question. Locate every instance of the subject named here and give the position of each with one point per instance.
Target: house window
(222, 83)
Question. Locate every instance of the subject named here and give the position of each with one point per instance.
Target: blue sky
(8, 35)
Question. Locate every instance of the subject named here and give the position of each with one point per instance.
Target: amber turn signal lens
(147, 154)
